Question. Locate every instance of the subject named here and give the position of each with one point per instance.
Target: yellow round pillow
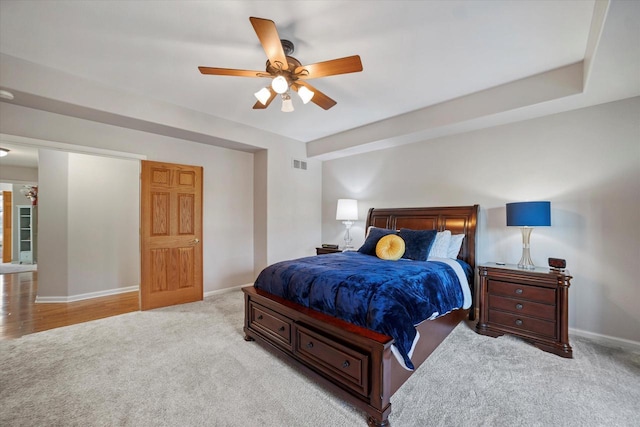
(390, 247)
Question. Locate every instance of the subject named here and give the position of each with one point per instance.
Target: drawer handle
(519, 306)
(519, 322)
(281, 328)
(346, 364)
(309, 344)
(519, 291)
(260, 317)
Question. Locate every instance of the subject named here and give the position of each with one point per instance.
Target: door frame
(7, 227)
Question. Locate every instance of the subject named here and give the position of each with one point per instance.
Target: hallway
(20, 315)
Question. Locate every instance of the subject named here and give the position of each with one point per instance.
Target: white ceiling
(19, 155)
(415, 54)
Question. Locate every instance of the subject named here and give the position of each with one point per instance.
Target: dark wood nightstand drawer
(529, 303)
(529, 324)
(523, 307)
(516, 290)
(324, 251)
(342, 363)
(271, 324)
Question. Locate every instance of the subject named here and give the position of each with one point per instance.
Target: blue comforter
(389, 297)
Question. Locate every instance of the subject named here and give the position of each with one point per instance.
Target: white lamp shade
(280, 85)
(263, 95)
(347, 210)
(287, 105)
(305, 94)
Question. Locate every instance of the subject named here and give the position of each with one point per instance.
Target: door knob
(195, 241)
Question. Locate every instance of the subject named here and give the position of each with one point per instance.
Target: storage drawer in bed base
(341, 363)
(353, 362)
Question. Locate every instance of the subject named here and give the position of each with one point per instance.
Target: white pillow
(440, 247)
(454, 246)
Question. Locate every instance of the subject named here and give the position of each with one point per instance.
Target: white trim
(607, 339)
(72, 148)
(225, 290)
(89, 295)
(117, 291)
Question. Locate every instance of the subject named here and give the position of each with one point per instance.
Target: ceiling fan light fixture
(280, 85)
(287, 104)
(305, 94)
(263, 95)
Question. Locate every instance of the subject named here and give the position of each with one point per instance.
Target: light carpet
(188, 365)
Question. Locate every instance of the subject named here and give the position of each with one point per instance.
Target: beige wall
(287, 200)
(18, 174)
(228, 187)
(103, 218)
(586, 162)
(53, 238)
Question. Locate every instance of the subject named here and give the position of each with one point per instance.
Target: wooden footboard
(351, 361)
(355, 363)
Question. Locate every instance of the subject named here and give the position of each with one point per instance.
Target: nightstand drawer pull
(519, 291)
(260, 317)
(518, 322)
(281, 328)
(346, 364)
(519, 306)
(309, 344)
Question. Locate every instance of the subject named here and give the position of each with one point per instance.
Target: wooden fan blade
(232, 72)
(260, 106)
(349, 64)
(270, 40)
(319, 98)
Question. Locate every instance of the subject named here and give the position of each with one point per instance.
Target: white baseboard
(225, 290)
(607, 339)
(80, 297)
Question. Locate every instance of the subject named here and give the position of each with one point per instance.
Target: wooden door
(171, 234)
(7, 214)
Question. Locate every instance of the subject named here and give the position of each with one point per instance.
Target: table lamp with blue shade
(527, 215)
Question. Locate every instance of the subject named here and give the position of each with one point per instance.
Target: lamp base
(525, 261)
(347, 237)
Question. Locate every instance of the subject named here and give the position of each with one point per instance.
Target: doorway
(88, 220)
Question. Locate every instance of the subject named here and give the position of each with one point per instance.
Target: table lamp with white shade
(347, 212)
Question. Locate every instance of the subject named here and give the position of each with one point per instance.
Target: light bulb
(305, 94)
(287, 104)
(263, 95)
(280, 85)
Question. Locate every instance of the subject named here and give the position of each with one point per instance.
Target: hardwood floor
(20, 315)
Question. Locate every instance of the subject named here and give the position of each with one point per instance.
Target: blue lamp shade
(529, 214)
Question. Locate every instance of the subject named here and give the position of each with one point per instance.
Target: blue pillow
(418, 243)
(375, 234)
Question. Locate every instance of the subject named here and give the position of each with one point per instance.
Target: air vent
(299, 164)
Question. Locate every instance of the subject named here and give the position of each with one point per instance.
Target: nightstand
(530, 304)
(324, 251)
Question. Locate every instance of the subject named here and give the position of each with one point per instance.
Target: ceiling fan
(287, 72)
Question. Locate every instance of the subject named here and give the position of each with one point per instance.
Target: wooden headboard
(457, 219)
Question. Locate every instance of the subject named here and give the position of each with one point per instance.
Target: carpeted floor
(188, 365)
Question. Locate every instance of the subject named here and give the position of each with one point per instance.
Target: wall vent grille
(299, 164)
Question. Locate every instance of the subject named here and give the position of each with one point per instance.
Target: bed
(356, 363)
